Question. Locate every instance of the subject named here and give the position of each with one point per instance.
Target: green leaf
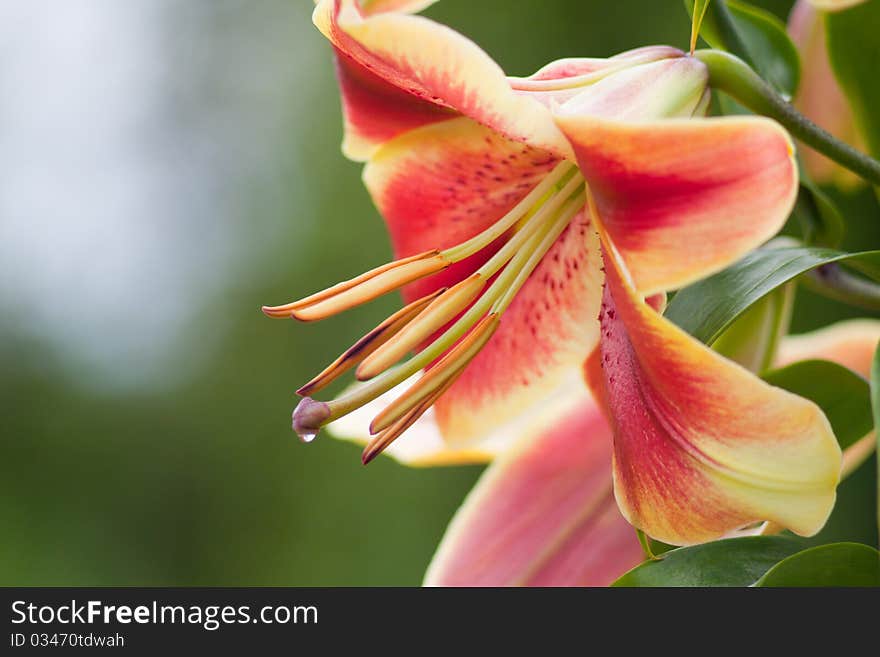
(730, 562)
(854, 51)
(843, 395)
(708, 307)
(838, 564)
(698, 14)
(875, 407)
(763, 37)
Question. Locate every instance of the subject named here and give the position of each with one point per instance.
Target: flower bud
(663, 89)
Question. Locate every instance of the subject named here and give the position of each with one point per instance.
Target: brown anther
(368, 344)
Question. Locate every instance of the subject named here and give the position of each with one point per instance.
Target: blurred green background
(167, 168)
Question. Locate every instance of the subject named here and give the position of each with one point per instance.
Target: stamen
(569, 210)
(361, 289)
(453, 362)
(378, 444)
(392, 422)
(429, 321)
(540, 218)
(368, 344)
(536, 223)
(521, 209)
(503, 282)
(393, 275)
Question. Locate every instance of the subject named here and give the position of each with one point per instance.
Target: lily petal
(682, 199)
(444, 183)
(543, 514)
(701, 446)
(850, 343)
(399, 71)
(370, 7)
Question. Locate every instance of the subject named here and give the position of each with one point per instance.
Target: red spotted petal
(682, 199)
(701, 446)
(545, 336)
(442, 184)
(543, 514)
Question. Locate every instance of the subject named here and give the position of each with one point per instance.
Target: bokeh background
(165, 169)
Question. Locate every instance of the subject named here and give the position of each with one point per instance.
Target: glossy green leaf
(838, 564)
(854, 50)
(763, 37)
(708, 307)
(843, 395)
(875, 407)
(730, 562)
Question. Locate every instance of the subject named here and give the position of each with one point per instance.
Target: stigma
(440, 333)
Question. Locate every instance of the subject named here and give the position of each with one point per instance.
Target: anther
(368, 344)
(378, 444)
(451, 364)
(434, 317)
(361, 289)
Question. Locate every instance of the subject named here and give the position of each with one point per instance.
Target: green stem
(836, 283)
(730, 74)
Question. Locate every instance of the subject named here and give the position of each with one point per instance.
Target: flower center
(472, 309)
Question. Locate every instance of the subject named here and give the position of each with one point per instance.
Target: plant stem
(836, 283)
(730, 74)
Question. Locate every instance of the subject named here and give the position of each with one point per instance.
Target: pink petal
(543, 514)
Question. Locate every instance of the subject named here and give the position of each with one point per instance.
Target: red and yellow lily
(504, 197)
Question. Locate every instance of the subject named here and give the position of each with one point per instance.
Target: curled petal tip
(308, 418)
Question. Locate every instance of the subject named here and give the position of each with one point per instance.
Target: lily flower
(495, 191)
(542, 514)
(819, 95)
